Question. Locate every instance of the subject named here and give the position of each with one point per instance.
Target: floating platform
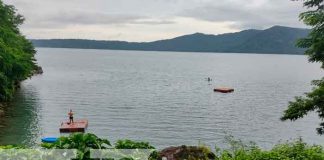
(224, 90)
(76, 126)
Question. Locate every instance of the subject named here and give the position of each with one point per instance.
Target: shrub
(82, 142)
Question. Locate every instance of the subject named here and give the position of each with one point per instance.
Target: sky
(149, 20)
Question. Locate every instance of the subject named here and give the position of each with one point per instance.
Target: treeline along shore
(274, 40)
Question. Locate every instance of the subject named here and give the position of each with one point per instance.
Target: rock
(38, 70)
(186, 152)
(2, 110)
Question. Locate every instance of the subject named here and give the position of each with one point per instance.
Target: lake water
(163, 97)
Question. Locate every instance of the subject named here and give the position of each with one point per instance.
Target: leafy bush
(12, 147)
(85, 142)
(297, 150)
(82, 142)
(129, 144)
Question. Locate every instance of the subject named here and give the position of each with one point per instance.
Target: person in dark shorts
(71, 116)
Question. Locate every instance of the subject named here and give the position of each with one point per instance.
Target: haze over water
(163, 97)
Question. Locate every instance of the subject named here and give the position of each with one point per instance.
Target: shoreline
(202, 52)
(37, 71)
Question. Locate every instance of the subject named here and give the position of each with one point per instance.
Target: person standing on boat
(71, 116)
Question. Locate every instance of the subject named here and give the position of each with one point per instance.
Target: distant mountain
(276, 40)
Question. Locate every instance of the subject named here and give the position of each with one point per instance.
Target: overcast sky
(147, 20)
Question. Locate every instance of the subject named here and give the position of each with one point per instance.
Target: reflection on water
(19, 119)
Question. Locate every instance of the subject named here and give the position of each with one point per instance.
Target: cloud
(99, 18)
(249, 13)
(151, 21)
(64, 19)
(144, 20)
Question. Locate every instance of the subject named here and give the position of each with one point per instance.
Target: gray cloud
(153, 22)
(245, 15)
(86, 18)
(63, 19)
(154, 16)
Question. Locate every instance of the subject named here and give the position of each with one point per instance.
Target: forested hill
(277, 39)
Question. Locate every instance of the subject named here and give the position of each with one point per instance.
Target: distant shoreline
(295, 54)
(274, 40)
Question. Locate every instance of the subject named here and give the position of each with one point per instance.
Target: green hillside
(276, 40)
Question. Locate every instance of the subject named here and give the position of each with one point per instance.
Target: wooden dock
(76, 126)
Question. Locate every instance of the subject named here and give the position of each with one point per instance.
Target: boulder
(186, 153)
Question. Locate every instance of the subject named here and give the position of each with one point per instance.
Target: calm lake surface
(163, 97)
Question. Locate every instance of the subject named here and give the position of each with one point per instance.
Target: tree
(314, 43)
(17, 60)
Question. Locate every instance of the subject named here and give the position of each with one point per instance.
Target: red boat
(76, 126)
(224, 90)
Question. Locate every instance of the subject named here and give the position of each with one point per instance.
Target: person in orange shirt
(71, 116)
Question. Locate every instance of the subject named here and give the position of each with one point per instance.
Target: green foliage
(82, 142)
(128, 144)
(85, 142)
(297, 150)
(314, 43)
(238, 150)
(16, 53)
(315, 40)
(12, 147)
